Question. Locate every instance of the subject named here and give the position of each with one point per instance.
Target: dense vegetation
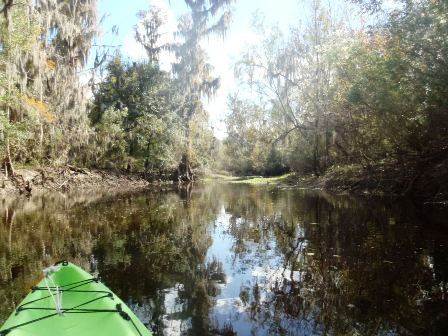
(361, 104)
(137, 117)
(345, 100)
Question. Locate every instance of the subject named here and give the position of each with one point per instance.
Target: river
(233, 259)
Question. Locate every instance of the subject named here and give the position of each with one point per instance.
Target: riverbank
(429, 187)
(28, 181)
(426, 184)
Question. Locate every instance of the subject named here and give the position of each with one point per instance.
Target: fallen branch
(78, 170)
(62, 184)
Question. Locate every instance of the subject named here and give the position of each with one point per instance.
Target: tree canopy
(332, 97)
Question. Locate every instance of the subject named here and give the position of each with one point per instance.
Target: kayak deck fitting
(75, 304)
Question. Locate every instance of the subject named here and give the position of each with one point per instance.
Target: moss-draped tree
(193, 73)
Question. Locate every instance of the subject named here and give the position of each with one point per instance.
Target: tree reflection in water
(233, 259)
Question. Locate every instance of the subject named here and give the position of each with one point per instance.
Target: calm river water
(229, 259)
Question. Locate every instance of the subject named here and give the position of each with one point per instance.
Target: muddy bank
(69, 179)
(423, 185)
(430, 187)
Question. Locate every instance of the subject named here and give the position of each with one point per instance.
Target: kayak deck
(89, 308)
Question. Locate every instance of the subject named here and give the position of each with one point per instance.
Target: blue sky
(223, 54)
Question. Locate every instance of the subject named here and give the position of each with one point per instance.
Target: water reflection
(241, 260)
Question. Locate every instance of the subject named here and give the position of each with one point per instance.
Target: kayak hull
(88, 308)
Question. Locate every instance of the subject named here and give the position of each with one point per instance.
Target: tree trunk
(316, 167)
(41, 135)
(327, 145)
(9, 168)
(184, 171)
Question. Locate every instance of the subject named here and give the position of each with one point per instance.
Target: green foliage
(17, 35)
(141, 87)
(392, 85)
(140, 118)
(135, 117)
(336, 96)
(249, 147)
(19, 134)
(159, 141)
(329, 94)
(44, 45)
(111, 138)
(274, 165)
(293, 77)
(203, 144)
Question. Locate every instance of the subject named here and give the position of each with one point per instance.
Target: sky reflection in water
(235, 259)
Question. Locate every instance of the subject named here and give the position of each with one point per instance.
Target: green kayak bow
(70, 302)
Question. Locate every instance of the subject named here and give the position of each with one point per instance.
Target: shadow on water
(241, 260)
